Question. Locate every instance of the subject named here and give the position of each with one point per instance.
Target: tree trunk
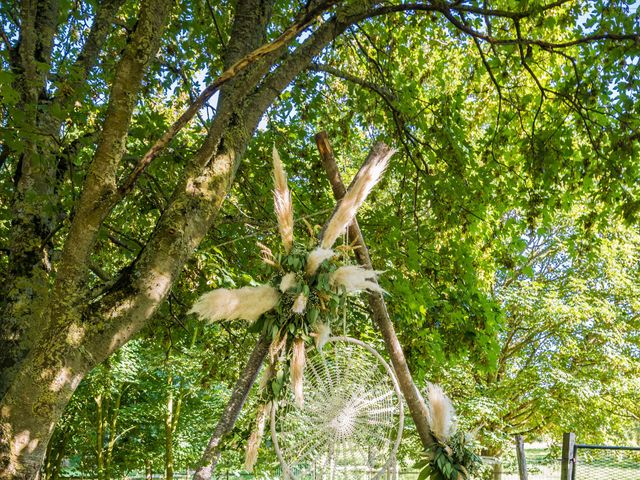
(100, 434)
(78, 329)
(148, 469)
(168, 432)
(168, 414)
(113, 430)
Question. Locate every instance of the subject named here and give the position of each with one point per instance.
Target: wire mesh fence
(594, 462)
(589, 462)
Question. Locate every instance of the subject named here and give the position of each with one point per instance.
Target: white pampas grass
(298, 361)
(441, 413)
(300, 304)
(355, 278)
(255, 439)
(282, 202)
(315, 259)
(358, 191)
(268, 373)
(288, 281)
(322, 334)
(277, 346)
(246, 303)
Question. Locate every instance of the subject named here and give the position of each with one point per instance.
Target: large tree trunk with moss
(56, 330)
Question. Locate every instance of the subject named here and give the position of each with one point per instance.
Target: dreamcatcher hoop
(353, 413)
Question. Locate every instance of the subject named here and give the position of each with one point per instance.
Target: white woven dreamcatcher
(350, 424)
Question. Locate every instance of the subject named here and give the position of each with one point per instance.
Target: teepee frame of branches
(343, 216)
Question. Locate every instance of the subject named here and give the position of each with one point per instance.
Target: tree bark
(415, 402)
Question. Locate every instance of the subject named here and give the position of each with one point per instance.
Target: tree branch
(7, 42)
(289, 34)
(88, 56)
(388, 96)
(92, 207)
(446, 9)
(414, 399)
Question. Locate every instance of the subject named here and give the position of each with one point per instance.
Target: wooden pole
(568, 456)
(522, 459)
(415, 402)
(211, 455)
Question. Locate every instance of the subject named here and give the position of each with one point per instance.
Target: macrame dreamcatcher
(351, 422)
(343, 410)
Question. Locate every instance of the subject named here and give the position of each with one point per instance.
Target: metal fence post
(568, 456)
(522, 459)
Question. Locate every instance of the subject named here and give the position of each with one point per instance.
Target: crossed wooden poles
(415, 402)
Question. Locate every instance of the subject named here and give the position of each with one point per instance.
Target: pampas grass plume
(315, 259)
(353, 199)
(300, 304)
(355, 278)
(298, 361)
(277, 345)
(267, 375)
(441, 413)
(322, 334)
(282, 202)
(255, 439)
(288, 281)
(246, 303)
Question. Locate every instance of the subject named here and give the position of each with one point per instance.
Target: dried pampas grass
(355, 278)
(282, 202)
(277, 346)
(268, 373)
(358, 191)
(315, 259)
(255, 439)
(267, 255)
(298, 361)
(441, 413)
(246, 303)
(300, 304)
(287, 282)
(322, 334)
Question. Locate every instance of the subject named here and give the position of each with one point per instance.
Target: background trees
(517, 125)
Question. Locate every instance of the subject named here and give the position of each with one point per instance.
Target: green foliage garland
(453, 460)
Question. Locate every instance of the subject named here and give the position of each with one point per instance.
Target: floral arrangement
(451, 457)
(308, 289)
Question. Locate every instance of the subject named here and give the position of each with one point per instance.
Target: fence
(577, 462)
(603, 462)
